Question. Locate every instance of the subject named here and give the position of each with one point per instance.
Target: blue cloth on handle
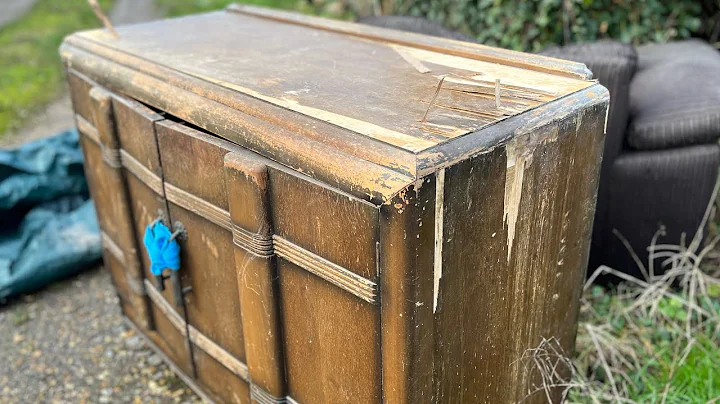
(164, 252)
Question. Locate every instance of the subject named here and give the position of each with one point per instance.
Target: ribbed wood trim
(112, 248)
(333, 273)
(142, 173)
(255, 243)
(198, 339)
(258, 395)
(111, 157)
(198, 206)
(87, 129)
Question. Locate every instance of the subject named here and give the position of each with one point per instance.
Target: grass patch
(31, 73)
(654, 339)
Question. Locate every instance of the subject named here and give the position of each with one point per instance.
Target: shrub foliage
(532, 25)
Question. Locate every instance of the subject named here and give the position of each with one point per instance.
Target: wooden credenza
(367, 215)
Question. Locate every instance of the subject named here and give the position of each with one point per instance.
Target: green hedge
(532, 25)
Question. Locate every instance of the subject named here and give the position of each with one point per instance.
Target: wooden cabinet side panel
(516, 228)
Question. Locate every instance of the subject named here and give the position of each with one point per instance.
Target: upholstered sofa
(661, 156)
(661, 153)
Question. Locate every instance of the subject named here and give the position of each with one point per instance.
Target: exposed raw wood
(418, 65)
(439, 215)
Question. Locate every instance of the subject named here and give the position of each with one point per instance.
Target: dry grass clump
(654, 339)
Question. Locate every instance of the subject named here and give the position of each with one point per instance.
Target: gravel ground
(69, 344)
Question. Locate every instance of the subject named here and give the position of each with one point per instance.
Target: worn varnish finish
(337, 246)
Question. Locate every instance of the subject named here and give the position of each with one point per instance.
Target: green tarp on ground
(48, 228)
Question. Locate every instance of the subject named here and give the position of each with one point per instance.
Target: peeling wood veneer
(439, 239)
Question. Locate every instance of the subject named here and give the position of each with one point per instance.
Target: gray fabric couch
(661, 153)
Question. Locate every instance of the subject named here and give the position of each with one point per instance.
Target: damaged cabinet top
(306, 91)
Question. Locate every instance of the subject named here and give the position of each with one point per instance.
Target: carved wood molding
(141, 172)
(254, 243)
(111, 157)
(87, 129)
(198, 339)
(333, 273)
(260, 396)
(112, 248)
(198, 206)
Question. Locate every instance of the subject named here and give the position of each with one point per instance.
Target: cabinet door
(123, 168)
(326, 242)
(95, 121)
(196, 191)
(136, 128)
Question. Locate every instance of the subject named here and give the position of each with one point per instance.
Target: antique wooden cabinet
(366, 215)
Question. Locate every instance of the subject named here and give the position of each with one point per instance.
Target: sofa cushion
(658, 53)
(675, 96)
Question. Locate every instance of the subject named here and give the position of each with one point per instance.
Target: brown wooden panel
(117, 273)
(515, 239)
(193, 161)
(214, 377)
(332, 340)
(136, 132)
(208, 266)
(169, 333)
(143, 179)
(80, 95)
(108, 205)
(247, 186)
(326, 222)
(197, 197)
